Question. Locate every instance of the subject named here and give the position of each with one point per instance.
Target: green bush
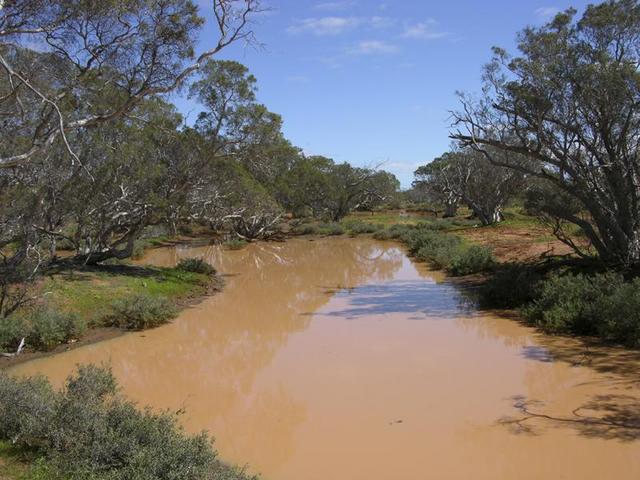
(196, 265)
(620, 314)
(307, 229)
(12, 330)
(332, 229)
(43, 328)
(510, 286)
(235, 244)
(474, 259)
(88, 431)
(572, 303)
(49, 328)
(139, 312)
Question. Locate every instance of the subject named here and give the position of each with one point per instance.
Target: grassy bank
(72, 307)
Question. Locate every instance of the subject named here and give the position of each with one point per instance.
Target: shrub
(235, 244)
(139, 312)
(572, 303)
(332, 229)
(473, 259)
(88, 431)
(384, 234)
(12, 330)
(620, 314)
(43, 328)
(307, 229)
(196, 265)
(510, 286)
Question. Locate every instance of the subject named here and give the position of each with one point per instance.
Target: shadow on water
(609, 417)
(426, 299)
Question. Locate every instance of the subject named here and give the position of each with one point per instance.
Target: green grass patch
(128, 297)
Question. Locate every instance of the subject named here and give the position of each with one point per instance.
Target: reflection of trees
(209, 361)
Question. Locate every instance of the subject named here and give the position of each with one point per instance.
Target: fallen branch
(17, 352)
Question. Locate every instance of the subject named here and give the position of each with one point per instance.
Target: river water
(342, 359)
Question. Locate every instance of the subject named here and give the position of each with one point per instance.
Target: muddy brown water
(342, 359)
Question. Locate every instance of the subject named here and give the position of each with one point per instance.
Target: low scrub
(43, 328)
(88, 431)
(306, 229)
(331, 229)
(140, 312)
(196, 265)
(474, 259)
(603, 304)
(510, 286)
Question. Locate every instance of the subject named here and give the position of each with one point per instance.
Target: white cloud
(335, 25)
(546, 13)
(334, 6)
(427, 30)
(324, 25)
(373, 47)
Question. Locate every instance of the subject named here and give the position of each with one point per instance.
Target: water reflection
(422, 299)
(307, 361)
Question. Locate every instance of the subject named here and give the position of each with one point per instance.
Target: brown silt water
(342, 359)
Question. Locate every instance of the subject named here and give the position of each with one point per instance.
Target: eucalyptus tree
(569, 101)
(436, 182)
(70, 66)
(465, 175)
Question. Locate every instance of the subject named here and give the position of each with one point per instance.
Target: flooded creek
(342, 359)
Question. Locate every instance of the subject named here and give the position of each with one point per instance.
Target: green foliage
(510, 286)
(333, 229)
(427, 242)
(88, 431)
(139, 312)
(235, 244)
(196, 265)
(44, 328)
(13, 329)
(394, 232)
(602, 304)
(475, 259)
(50, 327)
(306, 229)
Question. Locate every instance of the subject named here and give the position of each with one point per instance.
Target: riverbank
(93, 297)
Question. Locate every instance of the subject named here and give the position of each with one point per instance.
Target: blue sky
(371, 81)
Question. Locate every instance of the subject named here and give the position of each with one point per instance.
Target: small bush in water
(196, 265)
(88, 431)
(139, 312)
